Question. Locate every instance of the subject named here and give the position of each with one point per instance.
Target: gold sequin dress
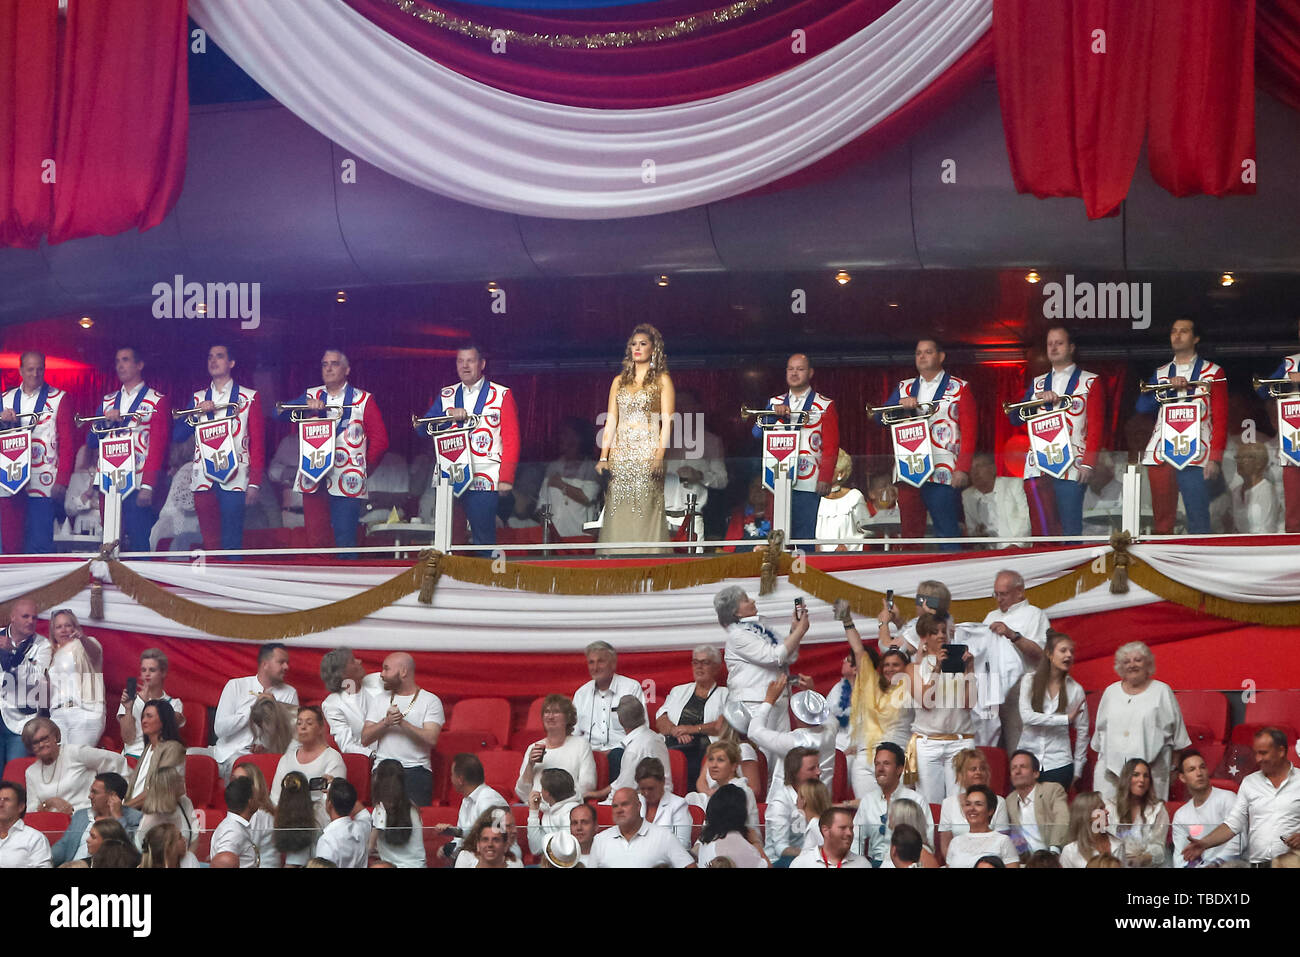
(634, 501)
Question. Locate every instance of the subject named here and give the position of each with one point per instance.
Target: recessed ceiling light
(341, 296)
(661, 281)
(1032, 276)
(842, 277)
(1227, 279)
(85, 322)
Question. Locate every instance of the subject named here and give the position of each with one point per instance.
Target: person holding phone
(944, 693)
(138, 691)
(314, 759)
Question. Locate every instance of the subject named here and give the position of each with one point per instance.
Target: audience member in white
(549, 807)
(561, 748)
(1137, 717)
(346, 839)
(106, 793)
(1051, 703)
(561, 851)
(905, 847)
(944, 724)
(261, 825)
(1038, 811)
(995, 506)
(1207, 807)
(839, 698)
(165, 846)
(660, 805)
(397, 833)
(296, 824)
(350, 689)
(1025, 627)
(1267, 808)
(149, 687)
(167, 803)
(980, 840)
(597, 703)
(871, 822)
(314, 759)
(1138, 818)
(232, 841)
(494, 823)
(403, 724)
(640, 741)
(691, 715)
(232, 723)
(932, 596)
(755, 655)
(726, 834)
(904, 812)
(784, 825)
(572, 486)
(817, 735)
(814, 800)
(1256, 503)
(476, 797)
(161, 748)
(24, 658)
(837, 842)
(971, 768)
(76, 676)
(490, 848)
(1090, 832)
(635, 842)
(881, 708)
(582, 825)
(59, 779)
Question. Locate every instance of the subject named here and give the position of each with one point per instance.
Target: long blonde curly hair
(658, 358)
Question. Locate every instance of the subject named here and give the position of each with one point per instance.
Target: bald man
(403, 724)
(24, 658)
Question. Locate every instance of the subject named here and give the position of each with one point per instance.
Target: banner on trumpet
(15, 461)
(1049, 443)
(216, 443)
(1180, 433)
(452, 448)
(315, 450)
(1288, 424)
(117, 463)
(780, 456)
(913, 451)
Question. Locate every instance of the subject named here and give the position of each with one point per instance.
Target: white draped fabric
(433, 127)
(466, 617)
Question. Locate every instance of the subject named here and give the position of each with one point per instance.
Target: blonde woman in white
(76, 677)
(843, 511)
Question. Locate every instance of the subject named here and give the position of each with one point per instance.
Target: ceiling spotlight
(661, 281)
(203, 309)
(892, 304)
(491, 286)
(341, 296)
(85, 322)
(1032, 276)
(842, 277)
(1226, 279)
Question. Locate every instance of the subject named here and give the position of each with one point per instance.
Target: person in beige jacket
(1039, 813)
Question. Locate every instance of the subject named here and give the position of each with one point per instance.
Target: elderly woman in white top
(1138, 717)
(59, 779)
(350, 688)
(561, 748)
(691, 715)
(1051, 702)
(76, 681)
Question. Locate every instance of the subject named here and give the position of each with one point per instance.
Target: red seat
(434, 840)
(266, 763)
(841, 787)
(999, 770)
(677, 765)
(486, 715)
(524, 738)
(520, 812)
(195, 730)
(1244, 734)
(358, 766)
(762, 815)
(602, 768)
(501, 771)
(1206, 709)
(1274, 708)
(452, 743)
(533, 721)
(210, 819)
(604, 816)
(203, 781)
(697, 821)
(764, 778)
(49, 823)
(16, 770)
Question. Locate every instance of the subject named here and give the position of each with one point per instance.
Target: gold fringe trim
(55, 593)
(269, 627)
(1281, 613)
(625, 580)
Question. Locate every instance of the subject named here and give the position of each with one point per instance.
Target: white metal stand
(781, 500)
(1131, 513)
(442, 512)
(113, 518)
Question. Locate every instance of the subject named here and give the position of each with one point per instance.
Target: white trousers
(936, 776)
(862, 773)
(79, 726)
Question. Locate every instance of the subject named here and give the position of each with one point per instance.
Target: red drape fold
(28, 47)
(1277, 49)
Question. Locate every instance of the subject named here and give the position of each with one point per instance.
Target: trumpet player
(27, 515)
(1056, 500)
(493, 445)
(331, 501)
(1181, 457)
(953, 428)
(144, 413)
(819, 441)
(1288, 432)
(229, 458)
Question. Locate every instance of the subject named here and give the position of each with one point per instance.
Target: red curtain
(1277, 49)
(1081, 82)
(116, 130)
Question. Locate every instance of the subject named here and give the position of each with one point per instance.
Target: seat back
(841, 787)
(677, 766)
(16, 770)
(602, 768)
(999, 770)
(194, 733)
(1208, 710)
(488, 715)
(211, 818)
(49, 823)
(203, 781)
(358, 766)
(434, 840)
(501, 771)
(266, 763)
(1275, 708)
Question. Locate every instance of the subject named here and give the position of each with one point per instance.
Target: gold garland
(669, 30)
(625, 580)
(1279, 613)
(55, 593)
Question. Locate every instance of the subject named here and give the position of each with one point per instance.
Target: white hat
(562, 850)
(810, 708)
(737, 714)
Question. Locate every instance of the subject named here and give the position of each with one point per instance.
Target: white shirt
(1046, 733)
(573, 756)
(815, 858)
(952, 819)
(1024, 618)
(466, 859)
(597, 711)
(261, 828)
(756, 656)
(474, 804)
(1192, 823)
(344, 841)
(234, 835)
(554, 819)
(681, 694)
(231, 724)
(1003, 512)
(1028, 819)
(1144, 836)
(1146, 725)
(346, 714)
(419, 709)
(1266, 814)
(410, 854)
(873, 813)
(784, 823)
(1257, 509)
(71, 775)
(839, 711)
(650, 846)
(781, 743)
(134, 747)
(24, 846)
(966, 849)
(22, 684)
(329, 763)
(641, 743)
(701, 800)
(950, 696)
(673, 813)
(842, 517)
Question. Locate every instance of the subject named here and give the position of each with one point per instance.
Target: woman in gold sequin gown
(637, 430)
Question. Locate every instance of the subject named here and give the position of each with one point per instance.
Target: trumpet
(890, 414)
(1163, 390)
(192, 415)
(1059, 404)
(299, 411)
(102, 424)
(429, 424)
(802, 417)
(1277, 388)
(34, 416)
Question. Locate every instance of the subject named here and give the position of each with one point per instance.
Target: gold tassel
(1120, 542)
(432, 570)
(97, 600)
(771, 561)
